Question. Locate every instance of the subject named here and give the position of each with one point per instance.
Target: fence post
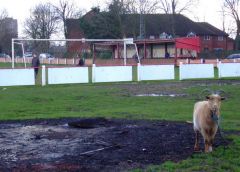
(73, 61)
(138, 72)
(93, 72)
(65, 61)
(219, 69)
(43, 75)
(180, 66)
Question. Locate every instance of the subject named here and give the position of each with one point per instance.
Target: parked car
(46, 56)
(28, 54)
(3, 55)
(233, 56)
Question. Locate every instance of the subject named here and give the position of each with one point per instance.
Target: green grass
(109, 101)
(9, 65)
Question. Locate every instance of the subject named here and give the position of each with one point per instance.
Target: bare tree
(3, 14)
(223, 16)
(140, 6)
(42, 23)
(176, 6)
(232, 8)
(67, 9)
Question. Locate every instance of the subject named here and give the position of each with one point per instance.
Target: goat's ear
(207, 97)
(222, 98)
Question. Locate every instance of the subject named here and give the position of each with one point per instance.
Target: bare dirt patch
(92, 144)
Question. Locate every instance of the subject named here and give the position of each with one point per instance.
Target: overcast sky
(208, 10)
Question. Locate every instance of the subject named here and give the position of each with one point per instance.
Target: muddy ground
(93, 145)
(74, 144)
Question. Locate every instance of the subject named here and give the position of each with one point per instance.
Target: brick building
(160, 32)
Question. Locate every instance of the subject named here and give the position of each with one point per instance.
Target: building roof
(156, 24)
(211, 28)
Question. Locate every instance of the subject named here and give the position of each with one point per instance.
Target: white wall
(229, 70)
(15, 77)
(195, 71)
(68, 75)
(156, 72)
(112, 74)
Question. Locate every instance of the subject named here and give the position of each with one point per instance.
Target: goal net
(71, 51)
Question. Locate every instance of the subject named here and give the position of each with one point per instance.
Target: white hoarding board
(69, 75)
(229, 70)
(15, 77)
(112, 74)
(156, 72)
(195, 71)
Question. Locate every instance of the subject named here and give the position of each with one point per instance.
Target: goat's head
(214, 98)
(214, 101)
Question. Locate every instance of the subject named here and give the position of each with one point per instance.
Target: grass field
(114, 101)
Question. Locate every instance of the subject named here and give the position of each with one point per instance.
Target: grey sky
(208, 10)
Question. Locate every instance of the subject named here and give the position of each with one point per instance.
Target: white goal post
(23, 52)
(125, 41)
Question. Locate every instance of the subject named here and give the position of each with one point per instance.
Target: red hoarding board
(189, 43)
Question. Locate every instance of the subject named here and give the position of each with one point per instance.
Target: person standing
(35, 64)
(167, 55)
(81, 62)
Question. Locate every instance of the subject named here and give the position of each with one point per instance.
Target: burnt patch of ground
(106, 145)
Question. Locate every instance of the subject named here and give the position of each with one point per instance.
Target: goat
(205, 120)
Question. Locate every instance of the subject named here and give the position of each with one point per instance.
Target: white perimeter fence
(14, 77)
(196, 71)
(111, 74)
(228, 70)
(156, 72)
(69, 75)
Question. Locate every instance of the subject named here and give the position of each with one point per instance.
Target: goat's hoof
(197, 149)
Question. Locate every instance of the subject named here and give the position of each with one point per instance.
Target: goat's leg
(206, 146)
(210, 149)
(211, 139)
(210, 134)
(196, 146)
